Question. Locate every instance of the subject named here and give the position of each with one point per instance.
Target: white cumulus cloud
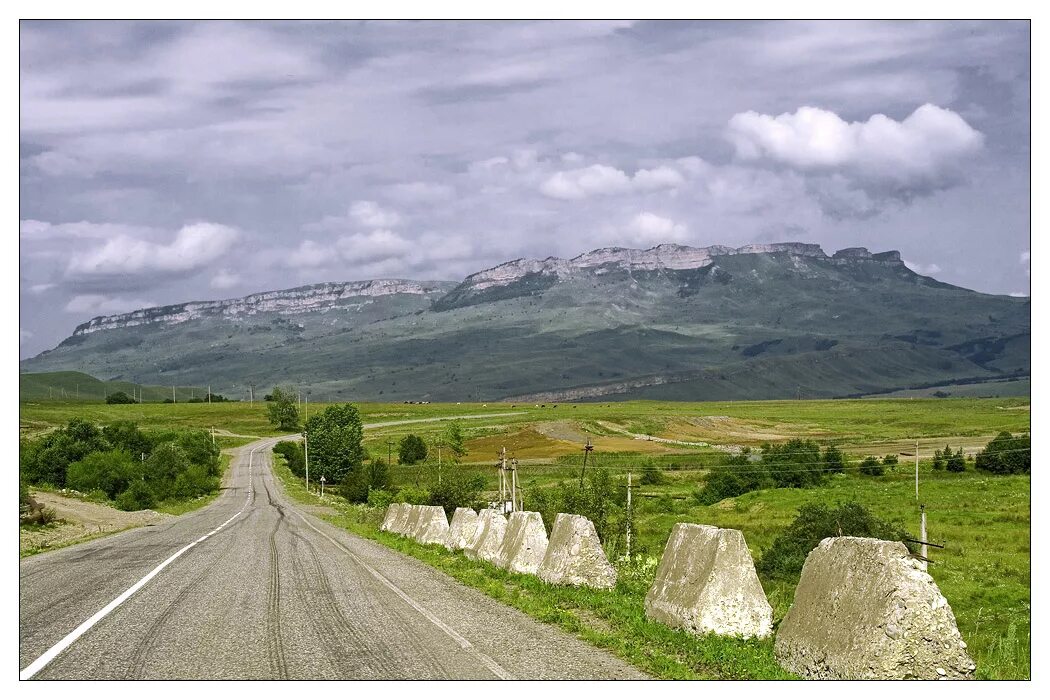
(601, 179)
(378, 245)
(371, 215)
(647, 228)
(928, 270)
(918, 150)
(193, 247)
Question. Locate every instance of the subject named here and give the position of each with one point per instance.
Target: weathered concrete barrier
(488, 536)
(412, 521)
(403, 511)
(575, 556)
(865, 609)
(432, 527)
(706, 584)
(391, 516)
(524, 543)
(461, 531)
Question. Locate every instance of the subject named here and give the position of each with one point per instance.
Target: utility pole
(628, 515)
(307, 408)
(922, 536)
(586, 451)
(251, 394)
(209, 394)
(514, 484)
(389, 447)
(501, 466)
(439, 463)
(173, 393)
(917, 472)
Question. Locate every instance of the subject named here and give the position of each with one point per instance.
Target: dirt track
(81, 519)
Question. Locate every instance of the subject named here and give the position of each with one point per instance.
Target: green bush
(890, 462)
(1006, 454)
(815, 521)
(293, 455)
(458, 489)
(138, 496)
(380, 498)
(414, 495)
(833, 460)
(872, 467)
(365, 478)
(602, 501)
(955, 462)
(652, 475)
(110, 472)
(411, 449)
(119, 397)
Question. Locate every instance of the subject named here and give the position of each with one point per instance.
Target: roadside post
(322, 485)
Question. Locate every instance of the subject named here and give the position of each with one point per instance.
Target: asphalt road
(265, 591)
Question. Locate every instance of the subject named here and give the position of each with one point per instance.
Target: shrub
(652, 475)
(411, 449)
(955, 462)
(871, 467)
(815, 521)
(458, 489)
(125, 435)
(110, 472)
(413, 495)
(119, 397)
(293, 455)
(938, 461)
(891, 462)
(380, 498)
(365, 478)
(282, 411)
(138, 496)
(1006, 454)
(833, 461)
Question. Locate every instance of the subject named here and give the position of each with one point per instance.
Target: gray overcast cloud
(165, 162)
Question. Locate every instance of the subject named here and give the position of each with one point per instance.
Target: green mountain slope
(672, 322)
(77, 386)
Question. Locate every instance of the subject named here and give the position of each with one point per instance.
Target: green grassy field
(983, 521)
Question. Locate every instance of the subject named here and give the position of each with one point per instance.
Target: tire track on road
(274, 641)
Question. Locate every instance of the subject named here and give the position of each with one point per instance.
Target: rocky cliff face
(317, 297)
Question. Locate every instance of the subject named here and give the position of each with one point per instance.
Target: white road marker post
(917, 471)
(322, 485)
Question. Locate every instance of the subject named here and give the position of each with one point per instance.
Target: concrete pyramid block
(524, 544)
(706, 584)
(864, 609)
(403, 511)
(461, 531)
(575, 556)
(488, 536)
(409, 526)
(432, 527)
(390, 517)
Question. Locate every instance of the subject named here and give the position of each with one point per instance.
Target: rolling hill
(670, 322)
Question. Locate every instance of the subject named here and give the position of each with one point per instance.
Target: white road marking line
(464, 643)
(49, 655)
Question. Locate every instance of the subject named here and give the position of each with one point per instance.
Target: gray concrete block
(706, 584)
(391, 516)
(461, 530)
(412, 520)
(864, 609)
(488, 537)
(432, 527)
(524, 543)
(575, 556)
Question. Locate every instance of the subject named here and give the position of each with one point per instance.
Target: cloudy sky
(168, 162)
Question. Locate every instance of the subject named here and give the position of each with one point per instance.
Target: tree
(119, 397)
(125, 435)
(890, 461)
(652, 475)
(815, 521)
(956, 462)
(1006, 454)
(453, 438)
(366, 478)
(283, 413)
(411, 450)
(871, 467)
(334, 442)
(938, 461)
(833, 462)
(111, 472)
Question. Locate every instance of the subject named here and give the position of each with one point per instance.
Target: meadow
(983, 521)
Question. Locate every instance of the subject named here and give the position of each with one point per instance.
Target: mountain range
(672, 322)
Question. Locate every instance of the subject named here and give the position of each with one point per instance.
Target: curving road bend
(253, 587)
